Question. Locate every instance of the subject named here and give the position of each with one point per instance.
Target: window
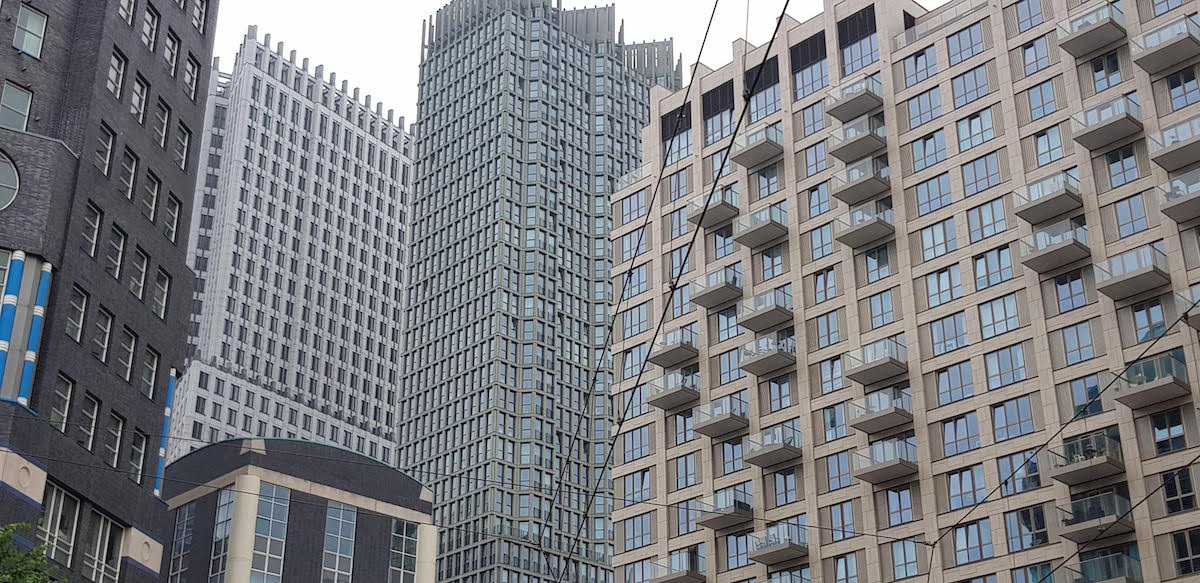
(928, 151)
(31, 30)
(924, 108)
(149, 372)
(635, 320)
(637, 443)
(138, 99)
(827, 329)
(1049, 145)
(960, 434)
(954, 383)
(1187, 551)
(338, 556)
(117, 65)
(732, 456)
(779, 391)
(1168, 431)
(1038, 573)
(58, 524)
(882, 313)
(986, 220)
(934, 193)
(126, 9)
(127, 176)
(972, 542)
(938, 239)
(160, 123)
(150, 22)
(822, 241)
(730, 367)
(999, 316)
(183, 144)
(842, 520)
(768, 181)
(1019, 472)
(632, 207)
(685, 471)
(818, 200)
(684, 427)
(1131, 215)
(919, 66)
(115, 253)
(127, 348)
(636, 282)
(88, 412)
(113, 439)
(402, 566)
(772, 262)
(1012, 418)
(965, 43)
(677, 183)
(835, 422)
(737, 550)
(981, 174)
(993, 267)
(686, 513)
(716, 163)
(104, 149)
(1026, 528)
(809, 68)
(633, 360)
(102, 555)
(966, 487)
(814, 159)
(900, 505)
(1041, 100)
(137, 456)
(680, 301)
(831, 375)
(786, 490)
(1106, 71)
(1077, 340)
(943, 286)
(1029, 14)
(764, 101)
(970, 86)
(878, 266)
(1084, 393)
(1122, 166)
(1037, 55)
(1148, 320)
(199, 14)
(1178, 492)
(824, 285)
(975, 129)
(76, 317)
(637, 531)
(14, 107)
(1005, 366)
(845, 568)
(270, 531)
(1069, 290)
(101, 335)
(633, 244)
(814, 118)
(171, 52)
(171, 221)
(857, 39)
(838, 465)
(1183, 89)
(1163, 6)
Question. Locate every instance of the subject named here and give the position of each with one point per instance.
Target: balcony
(1115, 568)
(854, 99)
(862, 226)
(1101, 125)
(1176, 146)
(778, 543)
(757, 147)
(861, 180)
(721, 416)
(761, 227)
(717, 287)
(1086, 458)
(1153, 380)
(1047, 198)
(725, 509)
(1184, 302)
(1055, 246)
(767, 355)
(766, 310)
(772, 447)
(884, 461)
(673, 348)
(1091, 31)
(1101, 515)
(1179, 198)
(631, 178)
(723, 207)
(934, 21)
(1136, 271)
(881, 410)
(1167, 46)
(680, 567)
(879, 360)
(858, 138)
(673, 390)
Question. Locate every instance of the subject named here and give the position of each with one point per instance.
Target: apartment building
(938, 238)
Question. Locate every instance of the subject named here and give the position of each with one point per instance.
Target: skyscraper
(929, 327)
(527, 115)
(102, 105)
(300, 239)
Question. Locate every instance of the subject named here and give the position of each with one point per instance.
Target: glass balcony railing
(726, 196)
(727, 500)
(1040, 189)
(777, 435)
(767, 301)
(1093, 508)
(676, 337)
(1136, 259)
(859, 216)
(678, 563)
(719, 278)
(866, 168)
(878, 351)
(1105, 568)
(1150, 370)
(724, 406)
(779, 535)
(884, 451)
(935, 21)
(1101, 114)
(766, 346)
(1083, 449)
(771, 133)
(1181, 187)
(857, 128)
(1091, 18)
(1054, 234)
(676, 379)
(1158, 49)
(1184, 131)
(631, 177)
(848, 91)
(879, 401)
(772, 215)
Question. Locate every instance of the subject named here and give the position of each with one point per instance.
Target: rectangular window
(637, 531)
(104, 149)
(731, 456)
(809, 69)
(986, 220)
(102, 553)
(1167, 427)
(635, 320)
(113, 439)
(970, 86)
(727, 324)
(779, 391)
(338, 555)
(633, 244)
(1029, 14)
(1038, 573)
(117, 65)
(999, 316)
(78, 313)
(126, 349)
(14, 107)
(960, 434)
(786, 490)
(973, 542)
(1106, 71)
(835, 422)
(954, 383)
(1183, 89)
(1036, 53)
(845, 568)
(1068, 289)
(965, 43)
(1083, 396)
(975, 129)
(1187, 551)
(772, 262)
(101, 334)
(149, 374)
(58, 524)
(687, 513)
(1005, 366)
(162, 291)
(1049, 145)
(1131, 215)
(827, 329)
(115, 253)
(858, 41)
(882, 312)
(934, 193)
(150, 28)
(993, 267)
(137, 456)
(814, 118)
(814, 159)
(929, 150)
(684, 427)
(171, 221)
(636, 282)
(924, 108)
(171, 52)
(938, 239)
(818, 200)
(160, 123)
(831, 375)
(768, 181)
(1178, 493)
(139, 97)
(764, 82)
(723, 244)
(1020, 473)
(1041, 100)
(88, 412)
(943, 286)
(1012, 418)
(842, 520)
(60, 402)
(966, 486)
(981, 174)
(1077, 341)
(1148, 320)
(183, 145)
(718, 114)
(838, 466)
(270, 531)
(900, 505)
(636, 444)
(191, 76)
(1122, 166)
(685, 471)
(824, 285)
(31, 31)
(127, 176)
(1026, 528)
(822, 241)
(677, 183)
(632, 207)
(919, 66)
(730, 366)
(878, 263)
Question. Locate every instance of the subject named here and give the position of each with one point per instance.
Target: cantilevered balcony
(854, 99)
(757, 147)
(881, 410)
(766, 310)
(673, 348)
(874, 362)
(1179, 198)
(1184, 302)
(1085, 458)
(681, 567)
(725, 509)
(636, 175)
(1166, 46)
(861, 180)
(717, 287)
(1153, 380)
(779, 543)
(772, 446)
(1091, 31)
(761, 226)
(721, 208)
(716, 418)
(1100, 125)
(673, 390)
(864, 225)
(767, 355)
(1136, 271)
(1115, 568)
(885, 460)
(858, 138)
(1101, 515)
(1047, 198)
(1055, 246)
(1176, 146)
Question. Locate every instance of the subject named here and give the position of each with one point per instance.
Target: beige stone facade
(944, 237)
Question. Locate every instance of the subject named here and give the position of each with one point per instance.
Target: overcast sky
(375, 44)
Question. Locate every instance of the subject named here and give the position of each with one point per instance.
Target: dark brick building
(101, 110)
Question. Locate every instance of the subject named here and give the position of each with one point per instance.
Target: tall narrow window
(338, 558)
(104, 149)
(113, 438)
(117, 65)
(270, 533)
(162, 291)
(14, 107)
(221, 532)
(58, 524)
(181, 543)
(88, 412)
(102, 555)
(101, 334)
(150, 22)
(137, 456)
(858, 40)
(31, 30)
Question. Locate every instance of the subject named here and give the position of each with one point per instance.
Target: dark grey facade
(103, 106)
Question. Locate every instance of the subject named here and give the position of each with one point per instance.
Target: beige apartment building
(939, 237)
